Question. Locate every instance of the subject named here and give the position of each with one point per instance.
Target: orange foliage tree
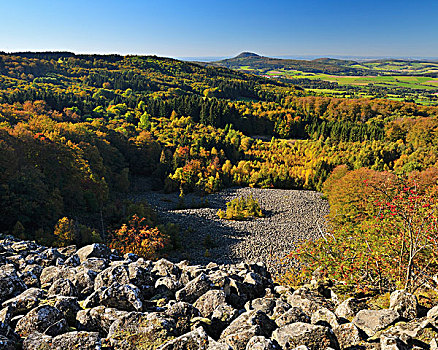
(138, 238)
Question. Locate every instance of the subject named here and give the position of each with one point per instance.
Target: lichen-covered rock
(26, 301)
(122, 297)
(95, 250)
(414, 329)
(263, 304)
(372, 321)
(260, 343)
(44, 319)
(404, 303)
(10, 284)
(165, 268)
(167, 285)
(221, 317)
(292, 315)
(246, 326)
(348, 335)
(5, 323)
(64, 287)
(113, 274)
(137, 330)
(182, 313)
(389, 342)
(98, 319)
(69, 307)
(95, 264)
(37, 340)
(30, 275)
(308, 301)
(209, 301)
(324, 317)
(280, 308)
(77, 340)
(196, 339)
(349, 308)
(194, 289)
(312, 336)
(49, 275)
(84, 281)
(73, 261)
(255, 283)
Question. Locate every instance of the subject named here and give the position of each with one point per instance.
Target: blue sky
(180, 28)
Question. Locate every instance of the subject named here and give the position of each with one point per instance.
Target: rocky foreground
(92, 298)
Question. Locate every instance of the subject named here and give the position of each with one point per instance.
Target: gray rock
(247, 325)
(308, 301)
(64, 287)
(165, 268)
(10, 284)
(260, 343)
(77, 340)
(7, 344)
(44, 319)
(280, 308)
(221, 317)
(6, 316)
(26, 301)
(372, 321)
(122, 297)
(49, 275)
(96, 264)
(150, 330)
(182, 313)
(37, 340)
(348, 335)
(84, 281)
(255, 283)
(113, 274)
(98, 319)
(324, 317)
(404, 303)
(196, 339)
(263, 304)
(69, 307)
(167, 285)
(73, 261)
(388, 342)
(95, 250)
(312, 336)
(30, 275)
(194, 289)
(209, 301)
(292, 315)
(349, 308)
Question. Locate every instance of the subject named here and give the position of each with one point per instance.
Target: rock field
(91, 299)
(290, 216)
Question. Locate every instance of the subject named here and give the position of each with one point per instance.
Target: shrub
(241, 208)
(384, 237)
(68, 231)
(138, 238)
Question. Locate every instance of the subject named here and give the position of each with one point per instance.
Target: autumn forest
(75, 130)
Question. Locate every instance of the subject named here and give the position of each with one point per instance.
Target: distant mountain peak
(247, 55)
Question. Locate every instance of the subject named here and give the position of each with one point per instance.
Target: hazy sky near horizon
(180, 28)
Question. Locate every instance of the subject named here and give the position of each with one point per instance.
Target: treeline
(75, 131)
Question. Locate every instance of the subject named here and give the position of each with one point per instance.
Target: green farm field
(411, 82)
